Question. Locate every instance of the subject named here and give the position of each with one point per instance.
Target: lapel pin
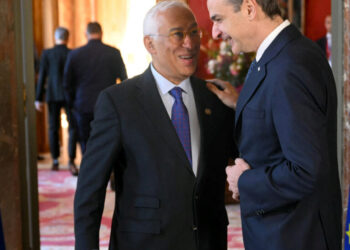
(207, 111)
(259, 68)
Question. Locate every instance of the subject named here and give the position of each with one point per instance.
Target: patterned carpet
(56, 193)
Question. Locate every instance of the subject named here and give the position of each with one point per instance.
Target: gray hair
(61, 33)
(150, 23)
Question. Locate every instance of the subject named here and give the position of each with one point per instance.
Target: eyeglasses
(178, 36)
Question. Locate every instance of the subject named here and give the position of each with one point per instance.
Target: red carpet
(56, 194)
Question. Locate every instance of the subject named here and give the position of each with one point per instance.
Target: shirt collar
(95, 40)
(164, 85)
(60, 45)
(269, 39)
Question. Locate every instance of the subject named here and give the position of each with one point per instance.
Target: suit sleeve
(233, 152)
(101, 155)
(43, 71)
(299, 116)
(68, 81)
(121, 67)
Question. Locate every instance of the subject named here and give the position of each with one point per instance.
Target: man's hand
(228, 95)
(39, 106)
(233, 174)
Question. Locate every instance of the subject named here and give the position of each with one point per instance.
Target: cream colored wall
(134, 53)
(74, 15)
(112, 14)
(121, 21)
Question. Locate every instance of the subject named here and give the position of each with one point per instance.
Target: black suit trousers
(54, 126)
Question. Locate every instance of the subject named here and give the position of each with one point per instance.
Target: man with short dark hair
(51, 69)
(168, 140)
(89, 70)
(286, 127)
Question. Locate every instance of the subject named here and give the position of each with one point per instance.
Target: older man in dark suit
(50, 84)
(286, 127)
(168, 139)
(89, 70)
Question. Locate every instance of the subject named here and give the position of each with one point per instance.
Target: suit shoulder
(78, 50)
(112, 50)
(301, 52)
(48, 50)
(207, 94)
(45, 52)
(302, 65)
(321, 40)
(201, 85)
(125, 88)
(111, 47)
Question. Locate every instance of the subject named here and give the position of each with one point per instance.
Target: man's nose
(216, 32)
(189, 42)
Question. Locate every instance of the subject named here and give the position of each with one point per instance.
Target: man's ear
(250, 8)
(149, 44)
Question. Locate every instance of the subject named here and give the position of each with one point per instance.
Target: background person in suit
(89, 70)
(325, 42)
(170, 181)
(287, 176)
(51, 69)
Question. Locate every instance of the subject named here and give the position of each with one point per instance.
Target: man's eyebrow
(178, 28)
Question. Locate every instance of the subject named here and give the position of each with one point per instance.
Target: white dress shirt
(269, 39)
(329, 44)
(164, 86)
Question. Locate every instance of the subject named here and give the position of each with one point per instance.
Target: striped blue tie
(180, 120)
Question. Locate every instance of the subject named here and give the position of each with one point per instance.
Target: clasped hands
(233, 173)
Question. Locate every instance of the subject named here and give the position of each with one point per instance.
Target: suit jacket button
(196, 197)
(260, 212)
(194, 227)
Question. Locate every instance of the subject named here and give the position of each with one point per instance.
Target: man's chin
(189, 71)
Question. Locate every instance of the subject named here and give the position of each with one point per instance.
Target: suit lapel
(251, 84)
(150, 100)
(259, 72)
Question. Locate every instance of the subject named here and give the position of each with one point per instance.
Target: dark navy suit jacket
(286, 127)
(50, 81)
(160, 203)
(322, 42)
(89, 70)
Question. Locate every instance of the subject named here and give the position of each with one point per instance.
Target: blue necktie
(181, 122)
(251, 67)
